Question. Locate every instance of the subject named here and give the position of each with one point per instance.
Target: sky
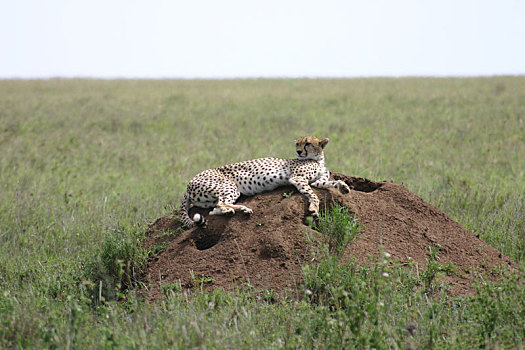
(265, 38)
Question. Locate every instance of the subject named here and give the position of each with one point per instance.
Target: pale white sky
(265, 38)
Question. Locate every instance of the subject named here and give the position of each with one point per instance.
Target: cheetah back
(266, 174)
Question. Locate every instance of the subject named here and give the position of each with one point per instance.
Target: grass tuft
(116, 266)
(337, 227)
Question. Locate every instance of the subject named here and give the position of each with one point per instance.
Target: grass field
(86, 164)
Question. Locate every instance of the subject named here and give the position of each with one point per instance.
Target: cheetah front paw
(314, 210)
(343, 187)
(246, 210)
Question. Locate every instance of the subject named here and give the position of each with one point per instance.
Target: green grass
(86, 164)
(337, 227)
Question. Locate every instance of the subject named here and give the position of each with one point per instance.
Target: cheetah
(219, 188)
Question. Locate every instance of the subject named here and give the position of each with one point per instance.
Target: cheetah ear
(323, 142)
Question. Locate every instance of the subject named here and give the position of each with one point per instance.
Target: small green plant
(170, 232)
(288, 195)
(158, 248)
(429, 275)
(170, 288)
(200, 280)
(338, 227)
(269, 295)
(205, 279)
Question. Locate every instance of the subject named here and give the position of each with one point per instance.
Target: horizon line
(263, 77)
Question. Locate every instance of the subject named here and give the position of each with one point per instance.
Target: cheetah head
(310, 147)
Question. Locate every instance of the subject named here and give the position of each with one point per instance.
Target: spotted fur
(219, 188)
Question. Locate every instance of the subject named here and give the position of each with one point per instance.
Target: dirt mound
(267, 248)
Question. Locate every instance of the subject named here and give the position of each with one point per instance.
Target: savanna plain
(85, 165)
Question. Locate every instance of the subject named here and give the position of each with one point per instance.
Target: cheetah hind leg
(225, 208)
(243, 209)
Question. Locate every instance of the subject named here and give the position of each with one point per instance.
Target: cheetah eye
(297, 144)
(307, 144)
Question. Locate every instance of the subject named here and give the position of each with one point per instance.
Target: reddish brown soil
(267, 248)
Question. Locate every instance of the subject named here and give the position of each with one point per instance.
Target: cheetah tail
(184, 214)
